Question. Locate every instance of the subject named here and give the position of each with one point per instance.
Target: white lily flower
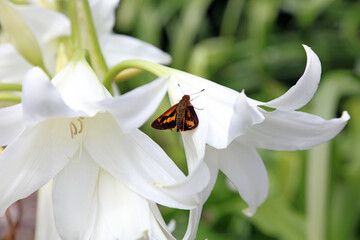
(71, 129)
(235, 125)
(48, 25)
(282, 129)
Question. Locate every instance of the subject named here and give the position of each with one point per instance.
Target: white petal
(127, 215)
(159, 229)
(132, 109)
(245, 169)
(245, 116)
(193, 224)
(195, 143)
(12, 65)
(117, 48)
(141, 164)
(302, 92)
(100, 230)
(74, 197)
(290, 130)
(80, 88)
(45, 24)
(45, 223)
(19, 34)
(33, 159)
(10, 123)
(216, 101)
(211, 160)
(103, 13)
(41, 100)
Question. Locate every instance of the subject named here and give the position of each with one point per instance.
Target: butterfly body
(181, 116)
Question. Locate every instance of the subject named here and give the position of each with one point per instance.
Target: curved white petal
(75, 197)
(41, 100)
(12, 65)
(290, 130)
(211, 160)
(11, 124)
(45, 24)
(195, 143)
(127, 215)
(117, 48)
(245, 116)
(80, 88)
(45, 228)
(103, 13)
(302, 92)
(132, 109)
(159, 229)
(193, 224)
(38, 154)
(216, 101)
(141, 164)
(246, 170)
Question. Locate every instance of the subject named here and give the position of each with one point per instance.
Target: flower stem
(75, 31)
(8, 97)
(10, 87)
(154, 68)
(92, 43)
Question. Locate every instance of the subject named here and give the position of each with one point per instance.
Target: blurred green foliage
(256, 45)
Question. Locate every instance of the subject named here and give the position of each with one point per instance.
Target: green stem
(154, 68)
(75, 31)
(10, 98)
(318, 175)
(10, 87)
(97, 59)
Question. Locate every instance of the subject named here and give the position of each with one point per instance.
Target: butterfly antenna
(196, 96)
(181, 89)
(197, 92)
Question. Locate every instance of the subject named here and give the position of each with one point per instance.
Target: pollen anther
(81, 124)
(76, 128)
(73, 129)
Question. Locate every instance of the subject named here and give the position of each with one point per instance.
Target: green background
(256, 45)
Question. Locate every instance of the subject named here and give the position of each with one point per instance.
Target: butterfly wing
(190, 120)
(167, 120)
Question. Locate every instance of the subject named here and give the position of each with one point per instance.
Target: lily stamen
(73, 130)
(81, 124)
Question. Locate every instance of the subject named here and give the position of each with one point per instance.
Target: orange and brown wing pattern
(167, 120)
(190, 120)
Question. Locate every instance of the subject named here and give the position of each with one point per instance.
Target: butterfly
(181, 116)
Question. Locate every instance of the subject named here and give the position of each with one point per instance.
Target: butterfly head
(186, 98)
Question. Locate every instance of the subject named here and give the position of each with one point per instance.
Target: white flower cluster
(102, 178)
